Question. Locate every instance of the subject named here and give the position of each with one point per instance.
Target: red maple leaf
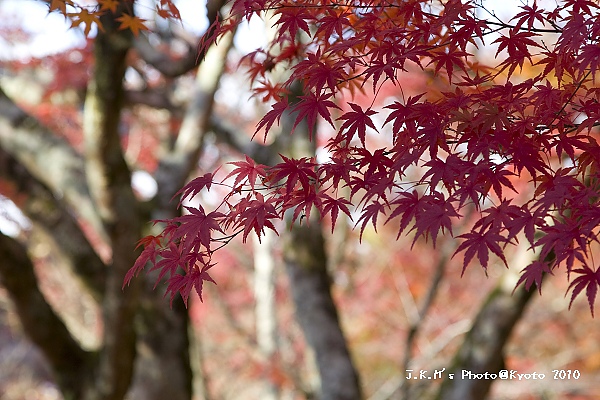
(333, 21)
(480, 244)
(194, 278)
(448, 59)
(292, 19)
(356, 122)
(534, 273)
(294, 171)
(529, 14)
(588, 279)
(151, 250)
(273, 115)
(247, 170)
(589, 58)
(330, 205)
(310, 107)
(370, 213)
(517, 45)
(194, 187)
(255, 215)
(198, 225)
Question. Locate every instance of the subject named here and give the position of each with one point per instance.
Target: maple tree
(483, 128)
(399, 160)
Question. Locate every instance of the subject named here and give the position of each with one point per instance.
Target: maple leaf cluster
(475, 142)
(88, 16)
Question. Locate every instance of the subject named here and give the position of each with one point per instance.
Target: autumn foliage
(515, 153)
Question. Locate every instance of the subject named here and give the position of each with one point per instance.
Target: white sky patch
(50, 32)
(193, 14)
(250, 35)
(143, 183)
(12, 220)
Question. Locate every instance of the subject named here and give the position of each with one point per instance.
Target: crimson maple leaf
(529, 14)
(255, 215)
(517, 45)
(247, 170)
(480, 244)
(588, 279)
(448, 59)
(370, 213)
(273, 115)
(194, 187)
(534, 273)
(151, 250)
(198, 225)
(330, 205)
(310, 107)
(292, 19)
(294, 171)
(356, 122)
(194, 278)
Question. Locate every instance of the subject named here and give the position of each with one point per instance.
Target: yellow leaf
(136, 24)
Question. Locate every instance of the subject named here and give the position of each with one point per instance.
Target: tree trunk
(306, 264)
(482, 348)
(265, 314)
(72, 367)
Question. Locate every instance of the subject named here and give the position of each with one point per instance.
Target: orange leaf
(136, 24)
(109, 5)
(86, 17)
(60, 6)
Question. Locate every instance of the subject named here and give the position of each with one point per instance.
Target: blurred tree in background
(97, 139)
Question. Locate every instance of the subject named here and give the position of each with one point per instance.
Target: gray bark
(306, 265)
(482, 349)
(109, 180)
(47, 212)
(265, 310)
(164, 365)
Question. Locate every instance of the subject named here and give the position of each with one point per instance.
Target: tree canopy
(518, 149)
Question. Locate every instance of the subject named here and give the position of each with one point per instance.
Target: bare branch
(176, 165)
(151, 98)
(166, 65)
(169, 66)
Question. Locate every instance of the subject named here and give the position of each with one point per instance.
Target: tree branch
(482, 348)
(168, 66)
(49, 158)
(151, 98)
(177, 164)
(39, 204)
(71, 365)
